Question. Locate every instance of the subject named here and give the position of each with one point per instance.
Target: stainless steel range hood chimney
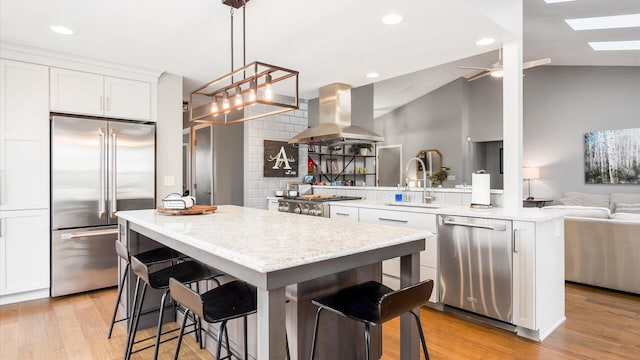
(335, 121)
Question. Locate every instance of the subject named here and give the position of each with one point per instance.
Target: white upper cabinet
(127, 99)
(76, 92)
(24, 136)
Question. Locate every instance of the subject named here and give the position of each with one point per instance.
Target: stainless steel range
(313, 206)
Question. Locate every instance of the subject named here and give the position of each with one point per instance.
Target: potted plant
(362, 149)
(440, 176)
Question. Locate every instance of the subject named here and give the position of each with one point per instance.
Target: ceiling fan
(496, 69)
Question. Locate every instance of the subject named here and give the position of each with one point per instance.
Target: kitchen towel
(480, 189)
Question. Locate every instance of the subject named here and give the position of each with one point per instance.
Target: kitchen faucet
(424, 179)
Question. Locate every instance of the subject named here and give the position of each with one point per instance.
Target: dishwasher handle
(494, 227)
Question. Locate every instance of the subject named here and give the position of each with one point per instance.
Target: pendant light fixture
(253, 95)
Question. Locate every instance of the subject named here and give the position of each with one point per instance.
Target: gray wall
(169, 135)
(362, 106)
(433, 121)
(561, 103)
(485, 109)
(228, 164)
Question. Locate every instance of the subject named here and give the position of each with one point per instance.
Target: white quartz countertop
(268, 240)
(525, 214)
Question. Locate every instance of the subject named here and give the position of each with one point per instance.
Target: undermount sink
(416, 205)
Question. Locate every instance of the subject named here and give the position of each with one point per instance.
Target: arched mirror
(432, 160)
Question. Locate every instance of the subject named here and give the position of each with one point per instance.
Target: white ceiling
(545, 35)
(327, 41)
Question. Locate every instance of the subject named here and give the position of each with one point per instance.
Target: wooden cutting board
(194, 210)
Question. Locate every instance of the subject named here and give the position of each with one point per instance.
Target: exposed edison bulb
(214, 107)
(225, 102)
(252, 90)
(268, 89)
(237, 102)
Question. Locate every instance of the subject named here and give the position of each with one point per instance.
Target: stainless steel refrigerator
(98, 167)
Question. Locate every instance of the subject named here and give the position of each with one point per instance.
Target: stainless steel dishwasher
(476, 265)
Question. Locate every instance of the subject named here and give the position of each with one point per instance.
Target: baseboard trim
(24, 296)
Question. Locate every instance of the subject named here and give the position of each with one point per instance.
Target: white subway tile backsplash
(279, 127)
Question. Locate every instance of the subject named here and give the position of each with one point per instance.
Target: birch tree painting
(612, 157)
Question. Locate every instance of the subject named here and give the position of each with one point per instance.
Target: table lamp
(530, 173)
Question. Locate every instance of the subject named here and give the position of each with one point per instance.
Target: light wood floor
(600, 325)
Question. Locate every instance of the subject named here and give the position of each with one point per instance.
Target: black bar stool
(151, 257)
(226, 302)
(373, 303)
(188, 272)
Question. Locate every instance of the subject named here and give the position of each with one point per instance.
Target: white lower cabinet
(538, 277)
(391, 268)
(343, 213)
(272, 204)
(24, 254)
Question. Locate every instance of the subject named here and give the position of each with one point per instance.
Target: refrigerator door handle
(114, 167)
(68, 236)
(103, 186)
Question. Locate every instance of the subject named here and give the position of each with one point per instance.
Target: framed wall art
(280, 159)
(612, 157)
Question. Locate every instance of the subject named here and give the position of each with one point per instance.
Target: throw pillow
(628, 208)
(582, 199)
(626, 216)
(582, 211)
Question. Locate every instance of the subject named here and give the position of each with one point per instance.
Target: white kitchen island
(273, 250)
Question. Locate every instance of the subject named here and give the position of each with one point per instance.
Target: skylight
(605, 22)
(615, 45)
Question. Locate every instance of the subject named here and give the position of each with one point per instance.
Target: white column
(512, 123)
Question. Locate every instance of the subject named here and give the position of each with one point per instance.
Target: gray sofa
(602, 244)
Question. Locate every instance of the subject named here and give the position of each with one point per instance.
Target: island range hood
(335, 121)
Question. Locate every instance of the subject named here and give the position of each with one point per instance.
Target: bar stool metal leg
(115, 308)
(220, 333)
(421, 333)
(244, 332)
(182, 326)
(315, 334)
(159, 327)
(367, 341)
(135, 319)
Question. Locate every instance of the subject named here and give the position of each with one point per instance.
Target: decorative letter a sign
(280, 159)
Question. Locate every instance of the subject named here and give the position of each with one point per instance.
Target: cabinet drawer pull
(393, 220)
(342, 214)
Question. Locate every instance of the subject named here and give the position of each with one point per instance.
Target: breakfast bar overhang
(273, 250)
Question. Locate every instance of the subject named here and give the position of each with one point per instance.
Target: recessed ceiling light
(556, 1)
(392, 19)
(605, 22)
(615, 45)
(485, 41)
(61, 30)
(373, 75)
